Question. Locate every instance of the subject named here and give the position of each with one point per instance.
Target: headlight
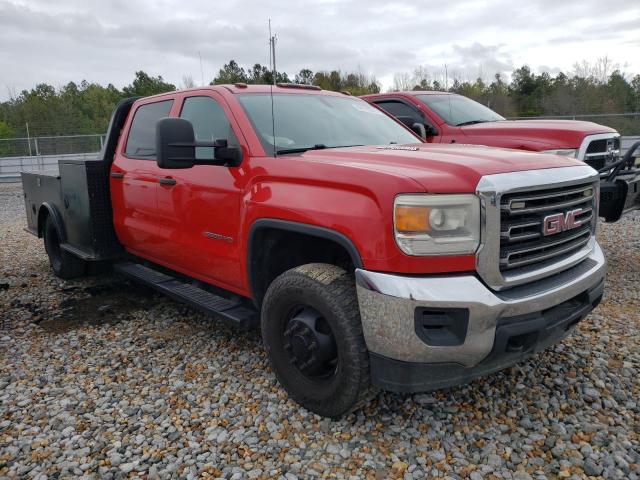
(437, 224)
(567, 152)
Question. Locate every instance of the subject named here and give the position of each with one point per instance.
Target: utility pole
(28, 138)
(201, 71)
(272, 53)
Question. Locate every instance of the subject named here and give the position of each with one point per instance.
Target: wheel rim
(310, 344)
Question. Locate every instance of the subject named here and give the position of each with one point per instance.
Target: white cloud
(105, 42)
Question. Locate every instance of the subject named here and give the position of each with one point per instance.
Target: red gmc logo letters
(560, 222)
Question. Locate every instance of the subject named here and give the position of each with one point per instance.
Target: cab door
(199, 207)
(134, 181)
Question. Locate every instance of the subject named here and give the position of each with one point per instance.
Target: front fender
(354, 216)
(360, 211)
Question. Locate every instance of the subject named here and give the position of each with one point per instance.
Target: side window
(141, 142)
(402, 112)
(209, 123)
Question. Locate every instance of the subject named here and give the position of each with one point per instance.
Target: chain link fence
(51, 145)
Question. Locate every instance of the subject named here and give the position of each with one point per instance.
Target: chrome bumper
(388, 304)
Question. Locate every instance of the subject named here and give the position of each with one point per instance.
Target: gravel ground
(105, 379)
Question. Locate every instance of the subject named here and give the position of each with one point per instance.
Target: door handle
(167, 181)
(117, 175)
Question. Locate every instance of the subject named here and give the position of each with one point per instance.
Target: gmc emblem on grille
(560, 222)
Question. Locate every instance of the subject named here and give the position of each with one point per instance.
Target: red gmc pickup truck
(369, 260)
(442, 117)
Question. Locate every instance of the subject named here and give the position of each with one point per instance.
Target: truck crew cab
(368, 259)
(442, 117)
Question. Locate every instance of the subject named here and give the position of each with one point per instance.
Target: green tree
(85, 107)
(259, 74)
(145, 85)
(351, 82)
(6, 131)
(523, 86)
(635, 86)
(230, 73)
(619, 92)
(305, 76)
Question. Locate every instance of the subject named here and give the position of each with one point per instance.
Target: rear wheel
(64, 264)
(312, 332)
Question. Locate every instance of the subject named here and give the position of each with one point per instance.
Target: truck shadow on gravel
(99, 304)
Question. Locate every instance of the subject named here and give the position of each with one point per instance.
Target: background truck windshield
(319, 121)
(458, 110)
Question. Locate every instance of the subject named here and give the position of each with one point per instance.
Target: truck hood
(438, 168)
(552, 133)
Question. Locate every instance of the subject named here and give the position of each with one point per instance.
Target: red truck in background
(369, 260)
(442, 117)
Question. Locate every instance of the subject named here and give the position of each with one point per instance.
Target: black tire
(329, 291)
(64, 264)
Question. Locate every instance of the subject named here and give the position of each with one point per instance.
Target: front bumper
(431, 332)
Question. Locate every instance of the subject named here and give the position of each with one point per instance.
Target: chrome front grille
(598, 151)
(536, 223)
(529, 254)
(522, 218)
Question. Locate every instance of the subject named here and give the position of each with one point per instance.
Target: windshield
(305, 122)
(458, 110)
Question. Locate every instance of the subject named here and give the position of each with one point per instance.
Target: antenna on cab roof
(272, 64)
(272, 53)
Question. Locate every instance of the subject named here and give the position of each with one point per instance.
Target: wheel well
(46, 211)
(43, 213)
(273, 251)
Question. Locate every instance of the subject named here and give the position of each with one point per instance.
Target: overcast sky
(56, 41)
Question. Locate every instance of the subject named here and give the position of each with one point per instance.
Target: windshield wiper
(317, 146)
(471, 122)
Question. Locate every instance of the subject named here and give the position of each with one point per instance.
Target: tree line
(356, 83)
(596, 88)
(73, 109)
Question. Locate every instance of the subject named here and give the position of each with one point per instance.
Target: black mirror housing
(231, 156)
(424, 130)
(420, 129)
(431, 130)
(176, 146)
(175, 143)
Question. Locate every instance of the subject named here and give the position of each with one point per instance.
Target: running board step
(229, 311)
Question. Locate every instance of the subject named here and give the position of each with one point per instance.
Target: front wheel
(313, 335)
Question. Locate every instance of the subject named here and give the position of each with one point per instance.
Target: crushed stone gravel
(101, 378)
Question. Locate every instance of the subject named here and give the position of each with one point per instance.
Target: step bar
(231, 312)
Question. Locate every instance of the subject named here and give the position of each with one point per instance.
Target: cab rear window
(141, 142)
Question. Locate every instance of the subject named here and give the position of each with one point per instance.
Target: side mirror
(230, 156)
(431, 130)
(420, 129)
(424, 130)
(175, 143)
(176, 146)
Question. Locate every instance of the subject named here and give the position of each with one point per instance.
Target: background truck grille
(522, 215)
(601, 152)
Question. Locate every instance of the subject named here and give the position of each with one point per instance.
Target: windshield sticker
(398, 147)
